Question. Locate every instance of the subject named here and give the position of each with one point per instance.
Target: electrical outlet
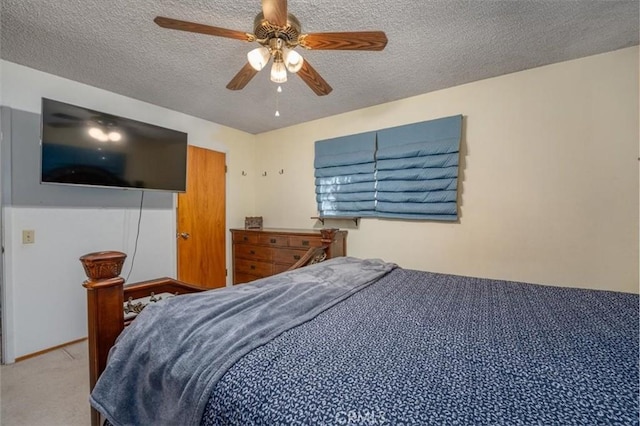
(28, 236)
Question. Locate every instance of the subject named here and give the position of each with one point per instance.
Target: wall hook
(264, 173)
(244, 173)
(281, 171)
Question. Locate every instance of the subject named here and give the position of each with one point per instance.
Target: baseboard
(44, 351)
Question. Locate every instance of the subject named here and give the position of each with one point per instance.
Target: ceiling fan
(279, 32)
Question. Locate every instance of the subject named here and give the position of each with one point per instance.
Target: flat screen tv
(84, 147)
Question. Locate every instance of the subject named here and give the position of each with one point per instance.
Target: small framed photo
(253, 222)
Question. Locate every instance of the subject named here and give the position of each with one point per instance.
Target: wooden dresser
(264, 252)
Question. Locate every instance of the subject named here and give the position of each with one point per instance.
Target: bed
(363, 341)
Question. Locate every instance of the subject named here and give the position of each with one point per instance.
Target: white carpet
(51, 389)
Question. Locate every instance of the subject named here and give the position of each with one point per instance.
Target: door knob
(183, 235)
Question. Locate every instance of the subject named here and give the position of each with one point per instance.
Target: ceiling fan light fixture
(278, 32)
(278, 69)
(95, 132)
(98, 133)
(292, 60)
(114, 136)
(259, 57)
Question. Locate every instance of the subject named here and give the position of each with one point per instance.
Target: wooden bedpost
(335, 239)
(104, 310)
(106, 294)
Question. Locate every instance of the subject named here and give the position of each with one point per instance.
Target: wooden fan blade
(313, 79)
(243, 77)
(359, 40)
(275, 11)
(192, 27)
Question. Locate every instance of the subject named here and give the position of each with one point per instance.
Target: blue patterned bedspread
(163, 367)
(432, 349)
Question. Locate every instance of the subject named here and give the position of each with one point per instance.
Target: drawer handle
(245, 238)
(296, 256)
(273, 241)
(252, 252)
(253, 266)
(305, 242)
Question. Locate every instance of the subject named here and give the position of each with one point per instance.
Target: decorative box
(253, 222)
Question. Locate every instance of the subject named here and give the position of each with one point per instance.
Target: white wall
(549, 177)
(45, 302)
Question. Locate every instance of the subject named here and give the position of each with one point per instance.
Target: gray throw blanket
(163, 367)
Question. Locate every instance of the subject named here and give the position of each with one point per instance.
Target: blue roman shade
(417, 170)
(345, 175)
(405, 172)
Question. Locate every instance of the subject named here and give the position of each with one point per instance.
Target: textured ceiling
(115, 45)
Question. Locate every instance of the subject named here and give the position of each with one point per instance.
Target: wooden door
(201, 220)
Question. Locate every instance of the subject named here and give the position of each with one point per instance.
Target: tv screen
(81, 146)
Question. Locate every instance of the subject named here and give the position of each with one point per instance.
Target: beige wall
(549, 189)
(549, 177)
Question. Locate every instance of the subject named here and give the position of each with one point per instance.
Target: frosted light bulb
(96, 133)
(114, 136)
(278, 72)
(277, 113)
(292, 60)
(258, 57)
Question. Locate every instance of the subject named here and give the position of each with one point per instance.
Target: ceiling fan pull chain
(278, 91)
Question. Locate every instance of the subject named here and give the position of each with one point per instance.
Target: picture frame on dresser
(253, 222)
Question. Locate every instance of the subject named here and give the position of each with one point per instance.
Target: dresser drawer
(288, 256)
(274, 240)
(245, 237)
(253, 267)
(280, 267)
(304, 242)
(239, 278)
(251, 252)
